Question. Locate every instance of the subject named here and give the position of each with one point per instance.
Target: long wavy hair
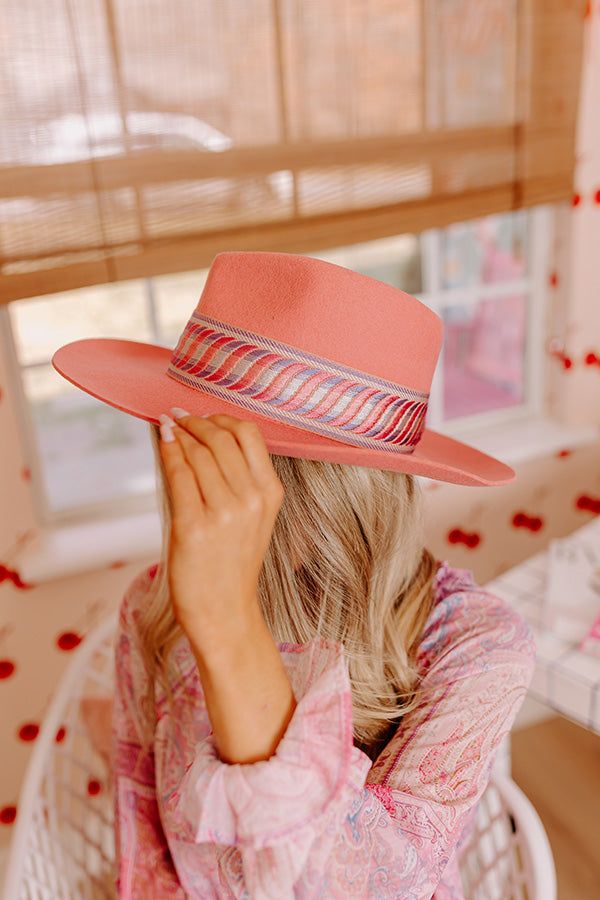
(346, 562)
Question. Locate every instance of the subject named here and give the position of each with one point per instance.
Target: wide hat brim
(131, 376)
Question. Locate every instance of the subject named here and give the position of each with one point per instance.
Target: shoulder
(475, 662)
(473, 627)
(134, 593)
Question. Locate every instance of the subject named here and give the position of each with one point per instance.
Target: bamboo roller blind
(141, 137)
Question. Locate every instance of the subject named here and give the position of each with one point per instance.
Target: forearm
(225, 497)
(248, 694)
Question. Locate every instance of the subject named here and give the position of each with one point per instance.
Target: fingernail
(165, 420)
(178, 413)
(166, 432)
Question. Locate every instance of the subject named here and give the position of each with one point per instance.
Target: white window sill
(63, 551)
(530, 438)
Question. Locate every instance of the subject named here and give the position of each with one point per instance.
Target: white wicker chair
(63, 843)
(507, 855)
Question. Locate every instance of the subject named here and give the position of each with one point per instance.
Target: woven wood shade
(141, 137)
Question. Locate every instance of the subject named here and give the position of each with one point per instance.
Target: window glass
(395, 260)
(483, 357)
(88, 451)
(176, 298)
(42, 325)
(484, 251)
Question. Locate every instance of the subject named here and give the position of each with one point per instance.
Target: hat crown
(326, 310)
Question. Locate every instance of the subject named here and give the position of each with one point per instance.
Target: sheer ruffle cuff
(260, 804)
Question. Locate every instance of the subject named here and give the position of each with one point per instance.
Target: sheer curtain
(141, 137)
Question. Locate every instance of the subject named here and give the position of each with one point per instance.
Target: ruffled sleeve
(299, 792)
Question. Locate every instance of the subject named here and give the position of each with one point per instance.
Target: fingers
(254, 448)
(181, 482)
(205, 470)
(222, 442)
(240, 450)
(255, 451)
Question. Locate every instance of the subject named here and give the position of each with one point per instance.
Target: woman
(307, 703)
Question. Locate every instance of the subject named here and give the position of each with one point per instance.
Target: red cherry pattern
(563, 454)
(94, 787)
(8, 814)
(567, 362)
(29, 731)
(576, 198)
(60, 734)
(8, 574)
(68, 640)
(7, 668)
(558, 353)
(531, 523)
(469, 539)
(590, 504)
(591, 359)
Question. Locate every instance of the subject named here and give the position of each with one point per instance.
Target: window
(484, 277)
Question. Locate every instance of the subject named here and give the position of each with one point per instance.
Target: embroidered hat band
(297, 387)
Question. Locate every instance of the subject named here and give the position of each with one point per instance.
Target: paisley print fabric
(319, 819)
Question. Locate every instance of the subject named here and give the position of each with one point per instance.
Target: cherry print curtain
(141, 137)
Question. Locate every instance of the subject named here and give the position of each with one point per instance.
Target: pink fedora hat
(332, 365)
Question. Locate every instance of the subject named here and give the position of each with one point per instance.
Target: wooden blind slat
(293, 236)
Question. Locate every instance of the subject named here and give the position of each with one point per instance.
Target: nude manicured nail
(178, 412)
(165, 420)
(166, 432)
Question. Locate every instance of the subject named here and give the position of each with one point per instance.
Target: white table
(565, 679)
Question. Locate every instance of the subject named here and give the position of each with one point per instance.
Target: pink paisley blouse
(319, 819)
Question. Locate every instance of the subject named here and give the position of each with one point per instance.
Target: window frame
(534, 286)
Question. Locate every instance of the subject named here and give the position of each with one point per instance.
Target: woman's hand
(225, 499)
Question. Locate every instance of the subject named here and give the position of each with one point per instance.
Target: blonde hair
(346, 562)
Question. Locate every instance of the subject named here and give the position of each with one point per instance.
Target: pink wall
(487, 530)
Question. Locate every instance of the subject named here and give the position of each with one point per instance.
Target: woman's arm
(225, 497)
(248, 694)
(143, 865)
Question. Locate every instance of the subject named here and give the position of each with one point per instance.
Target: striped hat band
(302, 389)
